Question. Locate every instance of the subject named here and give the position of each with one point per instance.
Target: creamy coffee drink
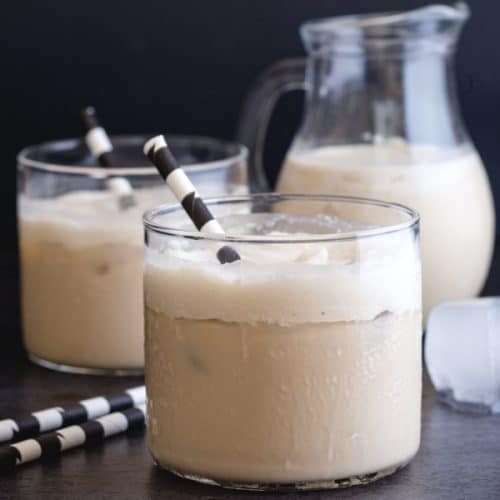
(81, 268)
(81, 265)
(449, 189)
(299, 363)
(81, 243)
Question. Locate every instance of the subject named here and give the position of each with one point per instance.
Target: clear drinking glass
(382, 120)
(298, 366)
(82, 257)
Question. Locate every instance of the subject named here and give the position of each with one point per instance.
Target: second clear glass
(81, 256)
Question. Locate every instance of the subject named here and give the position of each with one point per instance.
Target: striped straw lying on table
(55, 418)
(51, 445)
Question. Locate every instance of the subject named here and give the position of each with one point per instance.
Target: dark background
(180, 66)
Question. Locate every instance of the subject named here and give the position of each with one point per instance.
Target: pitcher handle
(281, 77)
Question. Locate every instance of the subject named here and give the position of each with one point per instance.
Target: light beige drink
(449, 189)
(82, 255)
(81, 269)
(299, 363)
(81, 265)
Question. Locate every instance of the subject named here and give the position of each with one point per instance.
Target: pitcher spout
(386, 31)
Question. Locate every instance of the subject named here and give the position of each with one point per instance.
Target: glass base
(329, 484)
(60, 367)
(448, 397)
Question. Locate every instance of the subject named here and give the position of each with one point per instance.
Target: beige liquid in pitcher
(449, 189)
(291, 365)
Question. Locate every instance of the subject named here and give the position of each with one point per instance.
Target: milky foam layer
(382, 168)
(85, 218)
(91, 218)
(285, 283)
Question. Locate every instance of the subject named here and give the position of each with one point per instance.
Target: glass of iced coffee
(82, 254)
(297, 366)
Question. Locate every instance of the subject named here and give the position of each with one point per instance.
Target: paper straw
(51, 445)
(54, 418)
(100, 146)
(157, 151)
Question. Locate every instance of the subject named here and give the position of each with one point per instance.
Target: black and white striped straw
(54, 418)
(51, 445)
(100, 146)
(156, 149)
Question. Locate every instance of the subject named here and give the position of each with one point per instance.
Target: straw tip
(153, 144)
(227, 254)
(88, 110)
(89, 117)
(126, 201)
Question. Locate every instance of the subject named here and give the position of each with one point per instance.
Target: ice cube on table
(462, 353)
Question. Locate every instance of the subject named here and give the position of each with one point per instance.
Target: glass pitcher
(382, 120)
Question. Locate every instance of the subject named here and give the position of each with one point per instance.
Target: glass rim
(239, 152)
(170, 208)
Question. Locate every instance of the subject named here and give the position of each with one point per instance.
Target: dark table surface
(459, 457)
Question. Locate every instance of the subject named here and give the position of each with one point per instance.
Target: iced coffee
(82, 254)
(300, 364)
